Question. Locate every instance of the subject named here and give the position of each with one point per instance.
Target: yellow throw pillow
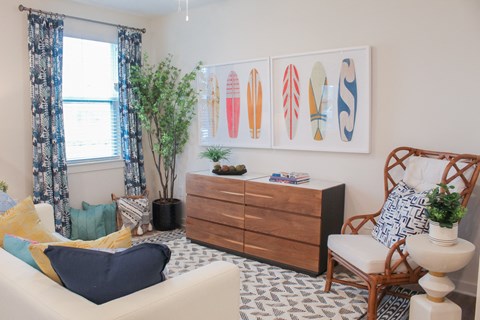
(119, 239)
(23, 221)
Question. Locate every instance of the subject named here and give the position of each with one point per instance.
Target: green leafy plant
(444, 206)
(216, 153)
(3, 186)
(165, 103)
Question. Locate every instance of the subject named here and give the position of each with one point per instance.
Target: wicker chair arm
(390, 268)
(364, 219)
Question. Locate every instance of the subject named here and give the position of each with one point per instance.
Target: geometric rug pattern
(272, 293)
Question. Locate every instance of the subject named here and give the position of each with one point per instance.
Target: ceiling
(146, 7)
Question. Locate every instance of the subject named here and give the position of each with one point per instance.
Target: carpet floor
(272, 293)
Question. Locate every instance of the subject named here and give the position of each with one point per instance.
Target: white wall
(425, 80)
(88, 183)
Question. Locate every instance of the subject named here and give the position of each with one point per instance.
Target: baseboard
(465, 287)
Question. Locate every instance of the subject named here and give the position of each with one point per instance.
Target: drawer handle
(232, 193)
(253, 217)
(255, 247)
(230, 216)
(258, 195)
(232, 241)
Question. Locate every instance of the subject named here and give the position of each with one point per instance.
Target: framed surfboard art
(321, 101)
(234, 106)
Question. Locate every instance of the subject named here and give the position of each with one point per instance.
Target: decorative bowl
(229, 173)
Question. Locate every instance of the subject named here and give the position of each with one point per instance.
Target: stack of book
(292, 177)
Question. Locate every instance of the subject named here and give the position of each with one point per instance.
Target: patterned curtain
(45, 46)
(129, 54)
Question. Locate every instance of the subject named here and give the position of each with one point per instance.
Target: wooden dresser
(282, 224)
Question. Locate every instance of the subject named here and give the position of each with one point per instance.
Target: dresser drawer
(227, 213)
(303, 256)
(216, 187)
(284, 197)
(283, 224)
(215, 234)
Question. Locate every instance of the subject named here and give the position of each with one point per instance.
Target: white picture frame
(229, 123)
(301, 133)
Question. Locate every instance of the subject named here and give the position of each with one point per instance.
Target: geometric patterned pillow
(403, 214)
(134, 212)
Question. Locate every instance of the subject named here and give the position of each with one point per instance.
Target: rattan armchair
(397, 268)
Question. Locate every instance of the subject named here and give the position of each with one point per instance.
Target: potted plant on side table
(444, 210)
(165, 103)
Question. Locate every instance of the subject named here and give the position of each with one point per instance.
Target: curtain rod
(23, 8)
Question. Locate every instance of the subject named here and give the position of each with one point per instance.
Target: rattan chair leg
(330, 265)
(372, 300)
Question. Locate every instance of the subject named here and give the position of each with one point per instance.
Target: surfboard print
(213, 104)
(233, 104)
(291, 99)
(317, 99)
(347, 100)
(254, 103)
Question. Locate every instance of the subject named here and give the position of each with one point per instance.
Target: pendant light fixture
(186, 8)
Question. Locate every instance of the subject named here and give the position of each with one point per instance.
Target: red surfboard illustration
(291, 99)
(233, 104)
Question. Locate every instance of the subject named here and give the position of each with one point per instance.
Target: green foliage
(3, 186)
(216, 153)
(444, 206)
(165, 103)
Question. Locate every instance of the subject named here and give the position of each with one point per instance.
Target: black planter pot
(164, 214)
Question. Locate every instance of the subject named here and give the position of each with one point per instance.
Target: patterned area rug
(272, 293)
(159, 236)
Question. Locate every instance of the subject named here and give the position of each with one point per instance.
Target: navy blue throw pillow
(102, 276)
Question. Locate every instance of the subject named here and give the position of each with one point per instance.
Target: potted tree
(444, 210)
(165, 103)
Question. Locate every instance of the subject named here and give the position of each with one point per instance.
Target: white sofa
(208, 293)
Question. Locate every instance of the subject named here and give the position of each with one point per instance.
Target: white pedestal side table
(438, 261)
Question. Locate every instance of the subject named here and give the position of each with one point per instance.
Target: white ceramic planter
(443, 236)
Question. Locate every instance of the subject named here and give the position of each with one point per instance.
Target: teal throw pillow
(18, 247)
(87, 224)
(109, 214)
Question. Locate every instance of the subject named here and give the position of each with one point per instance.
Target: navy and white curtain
(129, 55)
(50, 183)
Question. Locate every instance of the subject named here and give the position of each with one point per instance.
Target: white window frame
(99, 163)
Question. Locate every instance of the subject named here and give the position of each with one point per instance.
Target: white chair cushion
(403, 214)
(364, 252)
(424, 173)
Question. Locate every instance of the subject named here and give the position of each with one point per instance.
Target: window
(90, 100)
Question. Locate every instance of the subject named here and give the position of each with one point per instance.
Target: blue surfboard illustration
(347, 100)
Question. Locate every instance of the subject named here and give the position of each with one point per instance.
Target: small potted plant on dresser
(444, 211)
(215, 154)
